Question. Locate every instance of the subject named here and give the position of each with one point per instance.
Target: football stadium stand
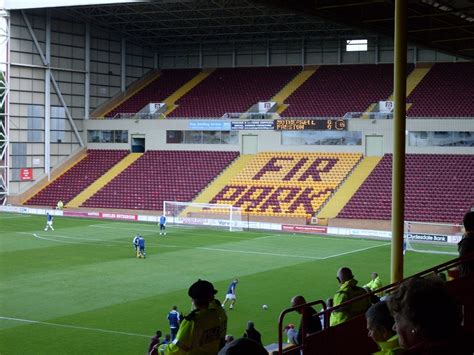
(438, 188)
(157, 177)
(157, 91)
(78, 177)
(334, 90)
(287, 184)
(233, 90)
(446, 91)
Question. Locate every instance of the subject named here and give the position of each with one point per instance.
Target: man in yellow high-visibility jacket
(347, 291)
(374, 284)
(202, 331)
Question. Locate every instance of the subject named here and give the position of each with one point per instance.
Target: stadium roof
(447, 26)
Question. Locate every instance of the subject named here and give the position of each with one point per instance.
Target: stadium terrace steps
(104, 180)
(349, 188)
(56, 173)
(170, 101)
(222, 180)
(121, 98)
(415, 77)
(446, 91)
(162, 175)
(438, 188)
(78, 177)
(291, 87)
(233, 90)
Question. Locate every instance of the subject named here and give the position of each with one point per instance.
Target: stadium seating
(287, 184)
(234, 90)
(446, 91)
(158, 90)
(337, 89)
(161, 176)
(77, 178)
(438, 188)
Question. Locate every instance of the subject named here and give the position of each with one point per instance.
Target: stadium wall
(154, 133)
(68, 48)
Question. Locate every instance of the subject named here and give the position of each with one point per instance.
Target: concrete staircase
(121, 97)
(349, 188)
(218, 184)
(104, 180)
(413, 79)
(183, 90)
(291, 87)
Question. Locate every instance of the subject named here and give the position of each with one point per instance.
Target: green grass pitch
(80, 289)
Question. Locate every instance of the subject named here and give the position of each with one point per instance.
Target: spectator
(60, 205)
(309, 318)
(154, 341)
(374, 284)
(380, 328)
(243, 346)
(203, 330)
(427, 318)
(173, 319)
(466, 245)
(291, 333)
(161, 348)
(347, 291)
(252, 333)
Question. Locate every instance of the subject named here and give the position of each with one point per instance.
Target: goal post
(203, 214)
(432, 238)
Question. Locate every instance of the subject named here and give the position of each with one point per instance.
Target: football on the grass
(265, 307)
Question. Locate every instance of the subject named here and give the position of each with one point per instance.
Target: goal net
(432, 238)
(203, 214)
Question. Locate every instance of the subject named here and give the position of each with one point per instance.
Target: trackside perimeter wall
(289, 228)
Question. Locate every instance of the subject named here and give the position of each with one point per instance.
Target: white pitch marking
(354, 251)
(72, 326)
(226, 250)
(261, 253)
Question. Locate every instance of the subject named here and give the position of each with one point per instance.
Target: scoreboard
(309, 124)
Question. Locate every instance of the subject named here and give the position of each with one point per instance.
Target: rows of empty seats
(446, 91)
(438, 188)
(161, 176)
(77, 178)
(287, 184)
(233, 90)
(337, 89)
(158, 90)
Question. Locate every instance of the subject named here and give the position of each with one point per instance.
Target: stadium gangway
(351, 336)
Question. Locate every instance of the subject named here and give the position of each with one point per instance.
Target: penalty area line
(354, 251)
(72, 326)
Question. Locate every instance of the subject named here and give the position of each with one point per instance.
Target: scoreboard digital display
(309, 124)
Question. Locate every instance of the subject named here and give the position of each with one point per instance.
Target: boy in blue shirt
(141, 248)
(162, 224)
(49, 222)
(230, 296)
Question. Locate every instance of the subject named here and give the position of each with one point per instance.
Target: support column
(399, 127)
(47, 99)
(87, 75)
(123, 66)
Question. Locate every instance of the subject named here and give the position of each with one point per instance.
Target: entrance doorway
(249, 144)
(374, 146)
(138, 144)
